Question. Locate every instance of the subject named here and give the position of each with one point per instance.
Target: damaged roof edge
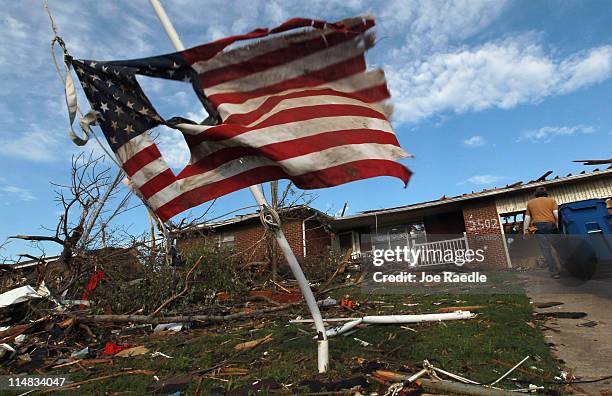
(247, 217)
(513, 188)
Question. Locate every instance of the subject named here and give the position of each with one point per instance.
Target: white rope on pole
(322, 342)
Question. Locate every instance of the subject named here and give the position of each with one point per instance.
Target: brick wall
(483, 230)
(318, 239)
(249, 241)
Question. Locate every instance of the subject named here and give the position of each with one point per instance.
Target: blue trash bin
(588, 240)
(585, 217)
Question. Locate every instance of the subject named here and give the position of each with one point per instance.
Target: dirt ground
(584, 349)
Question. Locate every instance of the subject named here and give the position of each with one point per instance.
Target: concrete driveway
(587, 351)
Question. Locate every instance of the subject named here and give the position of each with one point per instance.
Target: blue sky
(485, 92)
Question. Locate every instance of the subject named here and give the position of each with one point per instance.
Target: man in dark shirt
(543, 213)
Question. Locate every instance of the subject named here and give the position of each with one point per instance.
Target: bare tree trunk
(103, 235)
(153, 249)
(98, 209)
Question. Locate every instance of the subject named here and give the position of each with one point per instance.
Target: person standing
(543, 214)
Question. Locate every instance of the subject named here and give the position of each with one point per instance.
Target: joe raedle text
(424, 277)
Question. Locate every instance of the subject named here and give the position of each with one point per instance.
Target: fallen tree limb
(182, 292)
(146, 319)
(463, 389)
(262, 298)
(320, 293)
(345, 262)
(77, 384)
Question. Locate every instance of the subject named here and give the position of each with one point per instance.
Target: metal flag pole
(270, 218)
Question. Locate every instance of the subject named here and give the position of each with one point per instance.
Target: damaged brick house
(484, 219)
(306, 229)
(479, 220)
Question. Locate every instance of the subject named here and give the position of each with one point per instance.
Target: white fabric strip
(164, 196)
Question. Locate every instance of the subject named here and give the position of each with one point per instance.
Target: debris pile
(40, 330)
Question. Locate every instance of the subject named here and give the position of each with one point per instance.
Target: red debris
(345, 302)
(92, 284)
(111, 348)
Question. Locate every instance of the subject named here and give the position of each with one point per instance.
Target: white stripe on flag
(133, 147)
(248, 52)
(350, 84)
(149, 171)
(284, 132)
(296, 68)
(312, 162)
(319, 100)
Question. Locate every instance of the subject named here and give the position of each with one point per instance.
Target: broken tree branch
(149, 319)
(77, 384)
(182, 292)
(38, 238)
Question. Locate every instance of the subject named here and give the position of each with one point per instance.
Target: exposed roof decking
(516, 189)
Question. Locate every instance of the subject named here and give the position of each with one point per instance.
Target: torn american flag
(298, 104)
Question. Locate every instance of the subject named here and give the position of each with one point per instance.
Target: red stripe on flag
(368, 95)
(157, 183)
(207, 51)
(281, 56)
(290, 148)
(328, 74)
(304, 113)
(329, 177)
(141, 159)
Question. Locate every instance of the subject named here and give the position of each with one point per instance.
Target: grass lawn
(503, 331)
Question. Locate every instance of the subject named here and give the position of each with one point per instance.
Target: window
(349, 240)
(399, 235)
(225, 240)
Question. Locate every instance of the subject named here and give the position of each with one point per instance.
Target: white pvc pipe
(328, 320)
(404, 319)
(322, 344)
(399, 319)
(167, 25)
(304, 238)
(509, 371)
(344, 328)
(323, 348)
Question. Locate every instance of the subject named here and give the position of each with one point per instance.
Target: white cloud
(429, 26)
(20, 193)
(475, 141)
(501, 74)
(545, 134)
(591, 67)
(197, 116)
(484, 179)
(173, 147)
(34, 145)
